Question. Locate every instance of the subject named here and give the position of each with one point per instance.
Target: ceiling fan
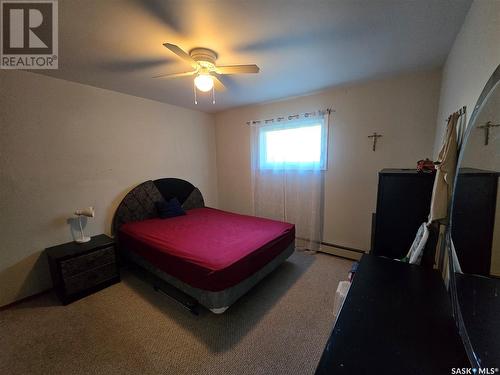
(205, 69)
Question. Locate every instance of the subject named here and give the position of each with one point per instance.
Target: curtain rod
(290, 117)
(460, 112)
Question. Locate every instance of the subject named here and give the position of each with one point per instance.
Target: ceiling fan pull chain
(194, 88)
(213, 95)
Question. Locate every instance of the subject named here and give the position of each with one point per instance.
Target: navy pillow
(172, 208)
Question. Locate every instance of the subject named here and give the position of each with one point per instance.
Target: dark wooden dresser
(396, 319)
(81, 269)
(473, 219)
(403, 203)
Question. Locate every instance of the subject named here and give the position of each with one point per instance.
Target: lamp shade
(89, 212)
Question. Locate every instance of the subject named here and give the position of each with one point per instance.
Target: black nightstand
(81, 269)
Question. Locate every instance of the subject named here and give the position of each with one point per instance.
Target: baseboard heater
(341, 251)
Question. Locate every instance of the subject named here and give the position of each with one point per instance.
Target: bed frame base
(192, 307)
(189, 297)
(219, 310)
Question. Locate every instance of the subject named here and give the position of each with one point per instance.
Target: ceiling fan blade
(219, 86)
(237, 69)
(183, 55)
(175, 75)
(133, 65)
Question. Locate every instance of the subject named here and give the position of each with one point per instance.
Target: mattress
(208, 248)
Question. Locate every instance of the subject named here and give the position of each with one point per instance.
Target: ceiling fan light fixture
(204, 82)
(205, 69)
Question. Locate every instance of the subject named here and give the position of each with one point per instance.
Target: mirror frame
(488, 89)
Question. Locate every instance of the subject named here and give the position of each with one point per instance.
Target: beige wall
(64, 146)
(402, 108)
(470, 63)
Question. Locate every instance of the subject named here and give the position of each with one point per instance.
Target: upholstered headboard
(139, 203)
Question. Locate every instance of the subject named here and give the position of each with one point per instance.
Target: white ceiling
(300, 46)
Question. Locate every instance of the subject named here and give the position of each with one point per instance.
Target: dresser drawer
(88, 279)
(88, 261)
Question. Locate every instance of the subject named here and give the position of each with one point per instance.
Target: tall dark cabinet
(474, 219)
(403, 203)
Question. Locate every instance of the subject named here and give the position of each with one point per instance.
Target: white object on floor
(340, 295)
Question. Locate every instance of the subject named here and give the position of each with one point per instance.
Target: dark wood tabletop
(396, 319)
(479, 302)
(70, 249)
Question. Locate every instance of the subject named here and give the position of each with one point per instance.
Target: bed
(212, 255)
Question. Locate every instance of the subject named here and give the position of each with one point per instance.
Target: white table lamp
(89, 212)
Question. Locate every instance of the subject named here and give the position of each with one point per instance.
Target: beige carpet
(280, 327)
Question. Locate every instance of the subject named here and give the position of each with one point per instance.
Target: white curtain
(288, 179)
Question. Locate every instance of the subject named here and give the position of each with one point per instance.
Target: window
(299, 144)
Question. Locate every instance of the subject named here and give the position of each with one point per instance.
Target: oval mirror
(474, 232)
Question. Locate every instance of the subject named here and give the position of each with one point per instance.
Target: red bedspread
(207, 248)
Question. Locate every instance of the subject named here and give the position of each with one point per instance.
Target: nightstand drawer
(91, 278)
(80, 269)
(87, 262)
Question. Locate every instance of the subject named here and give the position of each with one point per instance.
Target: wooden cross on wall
(486, 128)
(375, 136)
